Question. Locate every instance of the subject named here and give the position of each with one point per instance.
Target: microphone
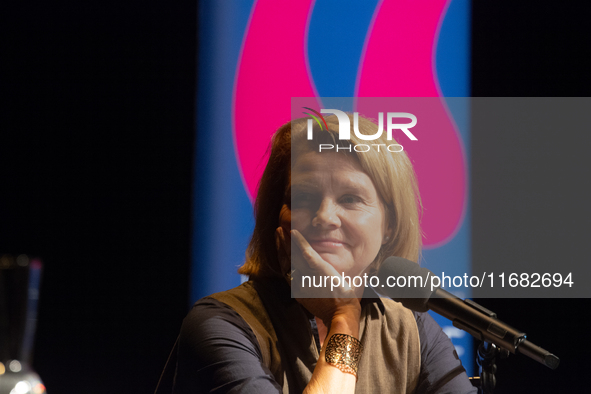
(466, 315)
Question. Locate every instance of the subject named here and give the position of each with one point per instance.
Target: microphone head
(406, 282)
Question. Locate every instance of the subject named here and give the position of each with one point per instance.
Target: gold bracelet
(344, 351)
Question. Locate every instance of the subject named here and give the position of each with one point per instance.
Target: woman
(344, 212)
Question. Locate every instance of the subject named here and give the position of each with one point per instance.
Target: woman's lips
(326, 244)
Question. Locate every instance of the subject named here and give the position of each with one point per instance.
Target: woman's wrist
(344, 352)
(346, 321)
(342, 348)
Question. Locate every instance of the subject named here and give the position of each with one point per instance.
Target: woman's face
(336, 207)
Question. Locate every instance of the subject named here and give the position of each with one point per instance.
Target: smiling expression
(336, 207)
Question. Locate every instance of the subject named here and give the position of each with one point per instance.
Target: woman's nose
(326, 216)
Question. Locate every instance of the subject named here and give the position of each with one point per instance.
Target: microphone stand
(487, 358)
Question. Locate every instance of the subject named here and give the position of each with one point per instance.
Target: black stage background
(96, 150)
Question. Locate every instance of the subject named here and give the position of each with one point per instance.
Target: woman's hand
(328, 301)
(305, 267)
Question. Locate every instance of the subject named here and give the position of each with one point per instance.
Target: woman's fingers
(281, 242)
(311, 257)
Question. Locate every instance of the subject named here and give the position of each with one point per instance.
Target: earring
(289, 275)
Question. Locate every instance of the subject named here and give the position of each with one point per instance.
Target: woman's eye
(302, 199)
(350, 199)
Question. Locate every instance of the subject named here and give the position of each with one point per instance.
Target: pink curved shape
(400, 62)
(272, 69)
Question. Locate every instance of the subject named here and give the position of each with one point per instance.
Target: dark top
(219, 353)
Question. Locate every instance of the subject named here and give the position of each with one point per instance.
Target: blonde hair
(391, 172)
